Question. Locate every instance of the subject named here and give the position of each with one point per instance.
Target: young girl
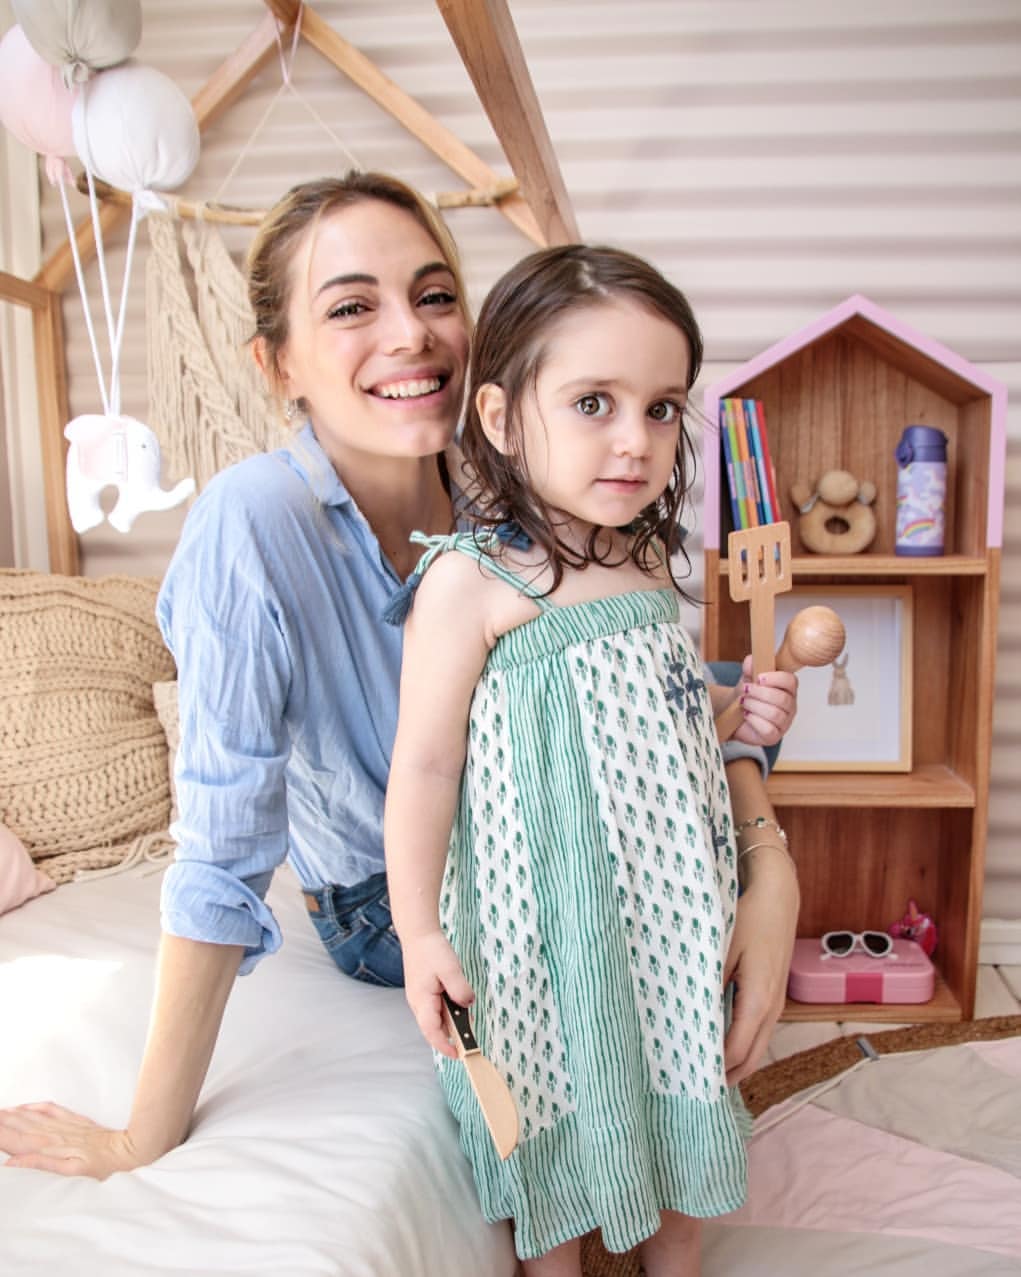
(556, 731)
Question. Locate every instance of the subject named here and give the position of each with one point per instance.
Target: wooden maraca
(815, 636)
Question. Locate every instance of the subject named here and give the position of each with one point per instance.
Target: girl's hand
(758, 960)
(46, 1137)
(769, 704)
(430, 966)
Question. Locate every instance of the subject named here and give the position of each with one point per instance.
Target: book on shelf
(751, 478)
(767, 461)
(731, 477)
(732, 421)
(751, 421)
(748, 466)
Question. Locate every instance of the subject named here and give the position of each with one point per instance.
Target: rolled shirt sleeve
(204, 902)
(218, 617)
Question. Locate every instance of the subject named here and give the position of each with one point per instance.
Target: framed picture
(855, 713)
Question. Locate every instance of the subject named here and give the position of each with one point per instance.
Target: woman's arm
(193, 982)
(767, 914)
(445, 649)
(234, 673)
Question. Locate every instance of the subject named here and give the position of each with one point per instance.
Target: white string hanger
(157, 150)
(80, 277)
(287, 85)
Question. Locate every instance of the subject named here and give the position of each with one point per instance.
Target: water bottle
(921, 490)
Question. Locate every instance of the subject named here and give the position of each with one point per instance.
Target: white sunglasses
(841, 944)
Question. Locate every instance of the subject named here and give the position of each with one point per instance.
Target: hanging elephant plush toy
(119, 452)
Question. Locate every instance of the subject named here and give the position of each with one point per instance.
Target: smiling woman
(271, 607)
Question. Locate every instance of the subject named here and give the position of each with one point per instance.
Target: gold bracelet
(773, 847)
(761, 822)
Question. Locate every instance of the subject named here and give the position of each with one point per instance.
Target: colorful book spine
(745, 502)
(751, 483)
(728, 463)
(760, 413)
(766, 511)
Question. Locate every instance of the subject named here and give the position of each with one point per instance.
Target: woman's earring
(291, 409)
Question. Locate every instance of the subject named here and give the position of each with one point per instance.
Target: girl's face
(377, 343)
(600, 432)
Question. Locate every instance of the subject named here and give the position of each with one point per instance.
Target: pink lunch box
(908, 976)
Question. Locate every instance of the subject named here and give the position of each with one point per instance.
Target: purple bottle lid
(921, 443)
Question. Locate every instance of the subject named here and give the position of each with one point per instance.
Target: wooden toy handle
(815, 636)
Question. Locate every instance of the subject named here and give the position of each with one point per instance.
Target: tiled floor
(999, 993)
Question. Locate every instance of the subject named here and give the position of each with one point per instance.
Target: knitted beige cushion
(164, 696)
(83, 758)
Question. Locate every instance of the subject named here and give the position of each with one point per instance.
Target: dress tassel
(396, 611)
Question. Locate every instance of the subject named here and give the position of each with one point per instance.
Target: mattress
(321, 1144)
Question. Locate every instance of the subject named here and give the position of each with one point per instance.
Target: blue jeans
(354, 924)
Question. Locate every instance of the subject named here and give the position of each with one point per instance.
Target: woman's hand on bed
(47, 1137)
(430, 967)
(758, 962)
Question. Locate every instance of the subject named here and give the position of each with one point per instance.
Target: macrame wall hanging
(207, 401)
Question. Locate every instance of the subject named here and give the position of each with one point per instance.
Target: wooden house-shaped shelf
(838, 394)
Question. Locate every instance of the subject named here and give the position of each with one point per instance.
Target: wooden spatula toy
(759, 560)
(760, 569)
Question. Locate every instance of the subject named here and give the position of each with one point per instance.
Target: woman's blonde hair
(272, 251)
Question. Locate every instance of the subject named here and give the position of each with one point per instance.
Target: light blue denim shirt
(288, 685)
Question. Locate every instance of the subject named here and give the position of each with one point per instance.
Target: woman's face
(377, 343)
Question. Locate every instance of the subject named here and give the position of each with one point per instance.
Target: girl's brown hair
(276, 242)
(508, 350)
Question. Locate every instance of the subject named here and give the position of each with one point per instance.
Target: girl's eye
(593, 405)
(665, 411)
(438, 297)
(346, 310)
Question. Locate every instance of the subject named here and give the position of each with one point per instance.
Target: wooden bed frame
(484, 34)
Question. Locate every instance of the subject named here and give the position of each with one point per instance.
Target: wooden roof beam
(223, 87)
(414, 117)
(484, 33)
(22, 292)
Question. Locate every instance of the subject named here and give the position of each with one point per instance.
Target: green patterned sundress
(589, 893)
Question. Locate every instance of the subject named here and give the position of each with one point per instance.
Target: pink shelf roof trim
(857, 305)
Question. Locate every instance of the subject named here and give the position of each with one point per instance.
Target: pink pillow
(19, 878)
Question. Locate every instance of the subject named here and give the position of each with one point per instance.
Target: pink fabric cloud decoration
(19, 878)
(35, 105)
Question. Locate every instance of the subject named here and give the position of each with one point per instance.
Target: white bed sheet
(321, 1145)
